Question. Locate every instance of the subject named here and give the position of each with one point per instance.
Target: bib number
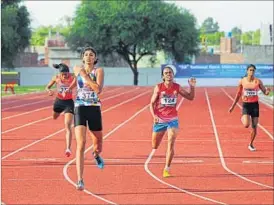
(168, 101)
(63, 89)
(88, 96)
(250, 93)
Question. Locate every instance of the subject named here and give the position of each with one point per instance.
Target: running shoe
(166, 173)
(80, 185)
(99, 162)
(251, 148)
(68, 152)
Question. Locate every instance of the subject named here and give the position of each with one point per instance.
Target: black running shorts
(251, 109)
(88, 115)
(66, 106)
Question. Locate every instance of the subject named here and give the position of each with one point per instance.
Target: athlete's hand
(231, 109)
(267, 91)
(192, 82)
(67, 91)
(50, 92)
(64, 94)
(155, 119)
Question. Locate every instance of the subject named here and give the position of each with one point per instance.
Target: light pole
(241, 41)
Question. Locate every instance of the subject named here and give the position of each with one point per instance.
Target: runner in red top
(248, 90)
(163, 109)
(63, 101)
(165, 106)
(63, 81)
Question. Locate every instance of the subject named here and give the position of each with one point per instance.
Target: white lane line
(220, 149)
(65, 169)
(259, 125)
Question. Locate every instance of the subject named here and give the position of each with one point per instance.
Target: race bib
(63, 89)
(168, 101)
(250, 93)
(88, 96)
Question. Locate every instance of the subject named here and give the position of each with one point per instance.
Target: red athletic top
(62, 85)
(249, 90)
(166, 102)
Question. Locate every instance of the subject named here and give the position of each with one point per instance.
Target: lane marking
(220, 149)
(24, 113)
(55, 133)
(259, 125)
(172, 186)
(258, 162)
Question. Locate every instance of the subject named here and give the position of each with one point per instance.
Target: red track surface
(212, 163)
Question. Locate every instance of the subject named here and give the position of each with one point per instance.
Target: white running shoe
(251, 148)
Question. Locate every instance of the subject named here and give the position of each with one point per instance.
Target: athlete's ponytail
(56, 66)
(63, 68)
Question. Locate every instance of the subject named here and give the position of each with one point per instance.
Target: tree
(15, 31)
(134, 29)
(211, 39)
(209, 26)
(180, 36)
(251, 37)
(236, 31)
(39, 34)
(256, 37)
(237, 34)
(9, 2)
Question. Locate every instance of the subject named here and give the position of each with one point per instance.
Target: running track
(212, 164)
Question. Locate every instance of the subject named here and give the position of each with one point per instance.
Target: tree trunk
(134, 69)
(135, 77)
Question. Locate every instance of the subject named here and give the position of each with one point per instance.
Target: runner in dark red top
(63, 102)
(248, 88)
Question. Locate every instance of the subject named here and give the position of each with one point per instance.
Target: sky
(247, 15)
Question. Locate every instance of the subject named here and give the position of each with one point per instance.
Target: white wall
(123, 76)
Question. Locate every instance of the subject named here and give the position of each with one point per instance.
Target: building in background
(266, 34)
(56, 50)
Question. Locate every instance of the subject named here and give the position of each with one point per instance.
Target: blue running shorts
(159, 127)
